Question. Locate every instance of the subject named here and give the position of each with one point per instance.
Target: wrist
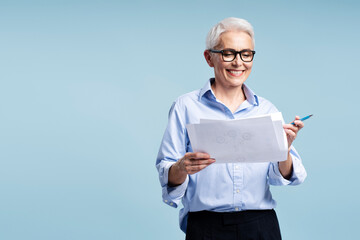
(177, 175)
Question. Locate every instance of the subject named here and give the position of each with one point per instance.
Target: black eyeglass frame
(235, 53)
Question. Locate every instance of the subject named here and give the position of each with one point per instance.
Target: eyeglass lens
(245, 56)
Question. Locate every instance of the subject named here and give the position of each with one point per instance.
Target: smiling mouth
(235, 73)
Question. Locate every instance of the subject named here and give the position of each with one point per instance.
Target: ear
(208, 58)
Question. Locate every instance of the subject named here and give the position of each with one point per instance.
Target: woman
(224, 201)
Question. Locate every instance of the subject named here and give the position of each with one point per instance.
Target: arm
(286, 167)
(173, 163)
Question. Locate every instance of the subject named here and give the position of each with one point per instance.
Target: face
(230, 74)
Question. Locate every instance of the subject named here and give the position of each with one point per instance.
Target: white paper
(254, 139)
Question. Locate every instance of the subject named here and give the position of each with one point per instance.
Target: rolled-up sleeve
(172, 148)
(298, 174)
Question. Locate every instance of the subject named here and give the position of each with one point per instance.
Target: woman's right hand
(194, 162)
(189, 164)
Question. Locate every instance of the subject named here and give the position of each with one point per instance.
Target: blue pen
(302, 119)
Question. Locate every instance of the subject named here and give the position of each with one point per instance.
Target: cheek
(248, 65)
(220, 66)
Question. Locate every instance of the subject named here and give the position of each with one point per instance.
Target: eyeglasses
(229, 55)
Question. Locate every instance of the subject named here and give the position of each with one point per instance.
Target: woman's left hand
(292, 130)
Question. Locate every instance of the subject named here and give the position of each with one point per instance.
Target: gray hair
(226, 25)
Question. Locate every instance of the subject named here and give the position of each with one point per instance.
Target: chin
(238, 82)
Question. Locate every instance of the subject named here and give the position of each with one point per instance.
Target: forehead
(236, 40)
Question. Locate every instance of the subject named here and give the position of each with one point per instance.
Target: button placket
(237, 186)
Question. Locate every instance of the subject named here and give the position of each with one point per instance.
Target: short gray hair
(226, 25)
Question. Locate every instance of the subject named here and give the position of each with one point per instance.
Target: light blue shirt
(220, 187)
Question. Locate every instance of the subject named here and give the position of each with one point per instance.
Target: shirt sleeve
(298, 175)
(172, 148)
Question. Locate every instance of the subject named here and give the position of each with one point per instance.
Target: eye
(228, 53)
(247, 54)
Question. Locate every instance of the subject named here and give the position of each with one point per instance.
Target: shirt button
(237, 190)
(165, 200)
(171, 204)
(236, 209)
(236, 167)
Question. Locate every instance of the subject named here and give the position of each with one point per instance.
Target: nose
(237, 61)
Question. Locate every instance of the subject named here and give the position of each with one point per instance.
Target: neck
(230, 97)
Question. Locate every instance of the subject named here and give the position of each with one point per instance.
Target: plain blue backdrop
(85, 89)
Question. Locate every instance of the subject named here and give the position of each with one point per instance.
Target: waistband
(229, 218)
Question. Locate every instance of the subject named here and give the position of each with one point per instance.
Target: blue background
(85, 89)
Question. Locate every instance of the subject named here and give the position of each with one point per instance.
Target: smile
(235, 73)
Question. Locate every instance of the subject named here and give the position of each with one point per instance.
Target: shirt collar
(251, 97)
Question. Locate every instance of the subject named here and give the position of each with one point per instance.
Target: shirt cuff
(298, 173)
(173, 195)
(275, 176)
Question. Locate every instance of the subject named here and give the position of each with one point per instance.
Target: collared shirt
(223, 187)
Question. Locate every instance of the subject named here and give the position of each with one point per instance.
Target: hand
(189, 164)
(292, 130)
(194, 162)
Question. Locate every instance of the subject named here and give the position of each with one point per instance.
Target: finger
(291, 127)
(290, 133)
(197, 155)
(200, 161)
(296, 118)
(196, 168)
(299, 124)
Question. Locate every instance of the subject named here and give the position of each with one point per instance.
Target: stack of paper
(254, 139)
